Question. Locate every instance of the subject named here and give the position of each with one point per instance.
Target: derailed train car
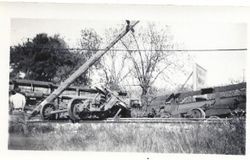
(223, 101)
(75, 103)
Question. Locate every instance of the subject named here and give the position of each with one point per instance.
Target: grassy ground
(207, 138)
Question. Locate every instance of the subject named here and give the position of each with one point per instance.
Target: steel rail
(147, 120)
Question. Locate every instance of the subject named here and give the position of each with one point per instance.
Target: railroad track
(148, 120)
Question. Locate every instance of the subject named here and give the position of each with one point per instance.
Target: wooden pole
(81, 70)
(186, 81)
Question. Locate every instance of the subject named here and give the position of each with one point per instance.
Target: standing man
(17, 100)
(17, 116)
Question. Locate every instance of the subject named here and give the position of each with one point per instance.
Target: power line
(146, 50)
(181, 50)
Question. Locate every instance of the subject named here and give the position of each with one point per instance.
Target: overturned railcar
(223, 101)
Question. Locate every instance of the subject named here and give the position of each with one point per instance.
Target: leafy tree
(45, 58)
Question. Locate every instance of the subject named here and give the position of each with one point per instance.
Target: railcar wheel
(198, 113)
(46, 110)
(75, 109)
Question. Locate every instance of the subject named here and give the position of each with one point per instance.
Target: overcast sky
(222, 67)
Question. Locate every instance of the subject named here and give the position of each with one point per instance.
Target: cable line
(145, 50)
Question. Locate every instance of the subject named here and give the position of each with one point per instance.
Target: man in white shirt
(17, 116)
(17, 100)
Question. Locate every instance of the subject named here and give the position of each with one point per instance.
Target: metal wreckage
(102, 103)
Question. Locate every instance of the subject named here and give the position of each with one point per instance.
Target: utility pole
(186, 81)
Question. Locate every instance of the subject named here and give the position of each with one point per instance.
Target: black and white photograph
(130, 85)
